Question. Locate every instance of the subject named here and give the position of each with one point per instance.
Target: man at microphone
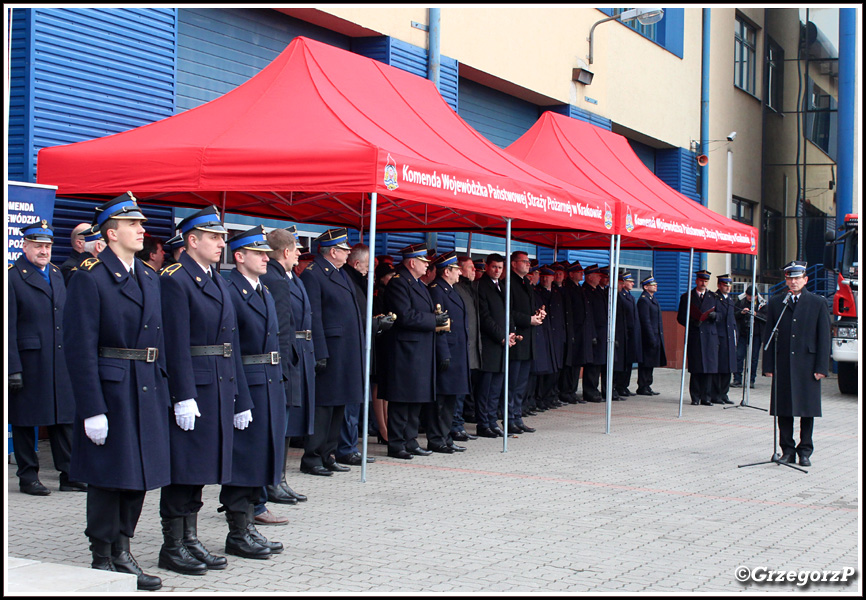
(802, 349)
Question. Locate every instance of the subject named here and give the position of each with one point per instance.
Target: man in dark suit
(594, 333)
(742, 312)
(205, 378)
(40, 393)
(338, 338)
(798, 358)
(550, 340)
(467, 289)
(652, 337)
(631, 339)
(452, 356)
(75, 257)
(703, 342)
(409, 381)
(494, 333)
(726, 327)
(259, 444)
(296, 348)
(120, 444)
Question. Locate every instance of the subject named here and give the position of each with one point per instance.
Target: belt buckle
(227, 350)
(275, 358)
(152, 354)
(308, 335)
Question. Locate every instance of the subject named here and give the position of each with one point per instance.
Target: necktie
(795, 298)
(260, 291)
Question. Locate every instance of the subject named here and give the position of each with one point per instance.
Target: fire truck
(845, 345)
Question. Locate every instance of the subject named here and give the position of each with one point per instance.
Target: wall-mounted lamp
(582, 75)
(645, 16)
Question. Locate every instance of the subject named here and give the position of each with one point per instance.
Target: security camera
(731, 136)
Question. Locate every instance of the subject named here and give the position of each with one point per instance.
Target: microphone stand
(747, 363)
(775, 459)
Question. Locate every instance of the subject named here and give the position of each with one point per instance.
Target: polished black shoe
(524, 427)
(441, 449)
(333, 466)
(419, 451)
(642, 392)
(456, 448)
(736, 384)
(278, 495)
(293, 493)
(352, 459)
(497, 431)
(400, 454)
(653, 392)
(752, 385)
(805, 462)
(790, 458)
(485, 432)
(460, 436)
(529, 413)
(695, 403)
(726, 401)
(715, 401)
(34, 488)
(706, 403)
(71, 486)
(514, 429)
(316, 470)
(596, 399)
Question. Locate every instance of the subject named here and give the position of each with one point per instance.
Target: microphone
(787, 298)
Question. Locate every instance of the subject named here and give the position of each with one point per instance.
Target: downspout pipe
(434, 59)
(705, 114)
(845, 138)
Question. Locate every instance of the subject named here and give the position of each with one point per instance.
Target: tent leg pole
(507, 329)
(611, 326)
(368, 339)
(686, 342)
(747, 367)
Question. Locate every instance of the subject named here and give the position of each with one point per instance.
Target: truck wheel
(848, 377)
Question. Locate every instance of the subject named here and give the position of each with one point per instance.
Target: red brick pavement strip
(630, 488)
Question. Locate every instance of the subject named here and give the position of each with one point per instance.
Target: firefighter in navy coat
(631, 350)
(258, 446)
(798, 359)
(120, 444)
(40, 392)
(703, 346)
(207, 387)
(338, 340)
(652, 337)
(726, 326)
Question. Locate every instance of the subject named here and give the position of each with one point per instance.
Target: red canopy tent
(650, 214)
(308, 138)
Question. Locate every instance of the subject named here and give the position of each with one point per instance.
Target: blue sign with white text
(25, 203)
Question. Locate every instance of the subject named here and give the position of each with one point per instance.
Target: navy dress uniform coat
(548, 347)
(726, 325)
(595, 326)
(338, 334)
(109, 307)
(703, 350)
(410, 344)
(452, 345)
(491, 319)
(522, 308)
(632, 344)
(469, 292)
(280, 290)
(35, 348)
(257, 455)
(652, 332)
(198, 311)
(289, 295)
(801, 348)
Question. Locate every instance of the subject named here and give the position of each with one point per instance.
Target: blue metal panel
(497, 116)
(20, 133)
(670, 30)
(221, 48)
(575, 112)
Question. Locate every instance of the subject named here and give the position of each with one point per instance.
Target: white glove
(96, 428)
(242, 420)
(185, 413)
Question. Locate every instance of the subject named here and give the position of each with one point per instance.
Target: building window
(771, 241)
(820, 117)
(648, 31)
(744, 56)
(742, 211)
(775, 76)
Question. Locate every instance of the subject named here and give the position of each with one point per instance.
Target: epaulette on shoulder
(310, 267)
(397, 276)
(89, 263)
(170, 269)
(433, 285)
(10, 266)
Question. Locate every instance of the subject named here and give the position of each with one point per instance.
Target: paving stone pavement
(657, 505)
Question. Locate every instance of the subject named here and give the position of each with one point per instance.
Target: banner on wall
(25, 203)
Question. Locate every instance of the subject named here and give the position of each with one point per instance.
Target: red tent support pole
(368, 339)
(507, 273)
(611, 324)
(747, 370)
(686, 344)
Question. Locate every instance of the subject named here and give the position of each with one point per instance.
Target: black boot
(173, 555)
(238, 541)
(124, 562)
(284, 485)
(274, 547)
(101, 552)
(196, 548)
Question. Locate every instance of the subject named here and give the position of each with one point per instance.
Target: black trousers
(438, 416)
(24, 444)
(567, 381)
(644, 377)
(111, 512)
(403, 421)
(237, 498)
(699, 386)
(786, 435)
(622, 379)
(322, 443)
(179, 500)
(591, 375)
(720, 385)
(545, 386)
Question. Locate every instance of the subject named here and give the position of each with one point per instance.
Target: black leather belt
(271, 358)
(224, 350)
(304, 335)
(145, 354)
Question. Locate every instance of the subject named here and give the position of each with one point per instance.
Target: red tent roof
(308, 138)
(650, 214)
